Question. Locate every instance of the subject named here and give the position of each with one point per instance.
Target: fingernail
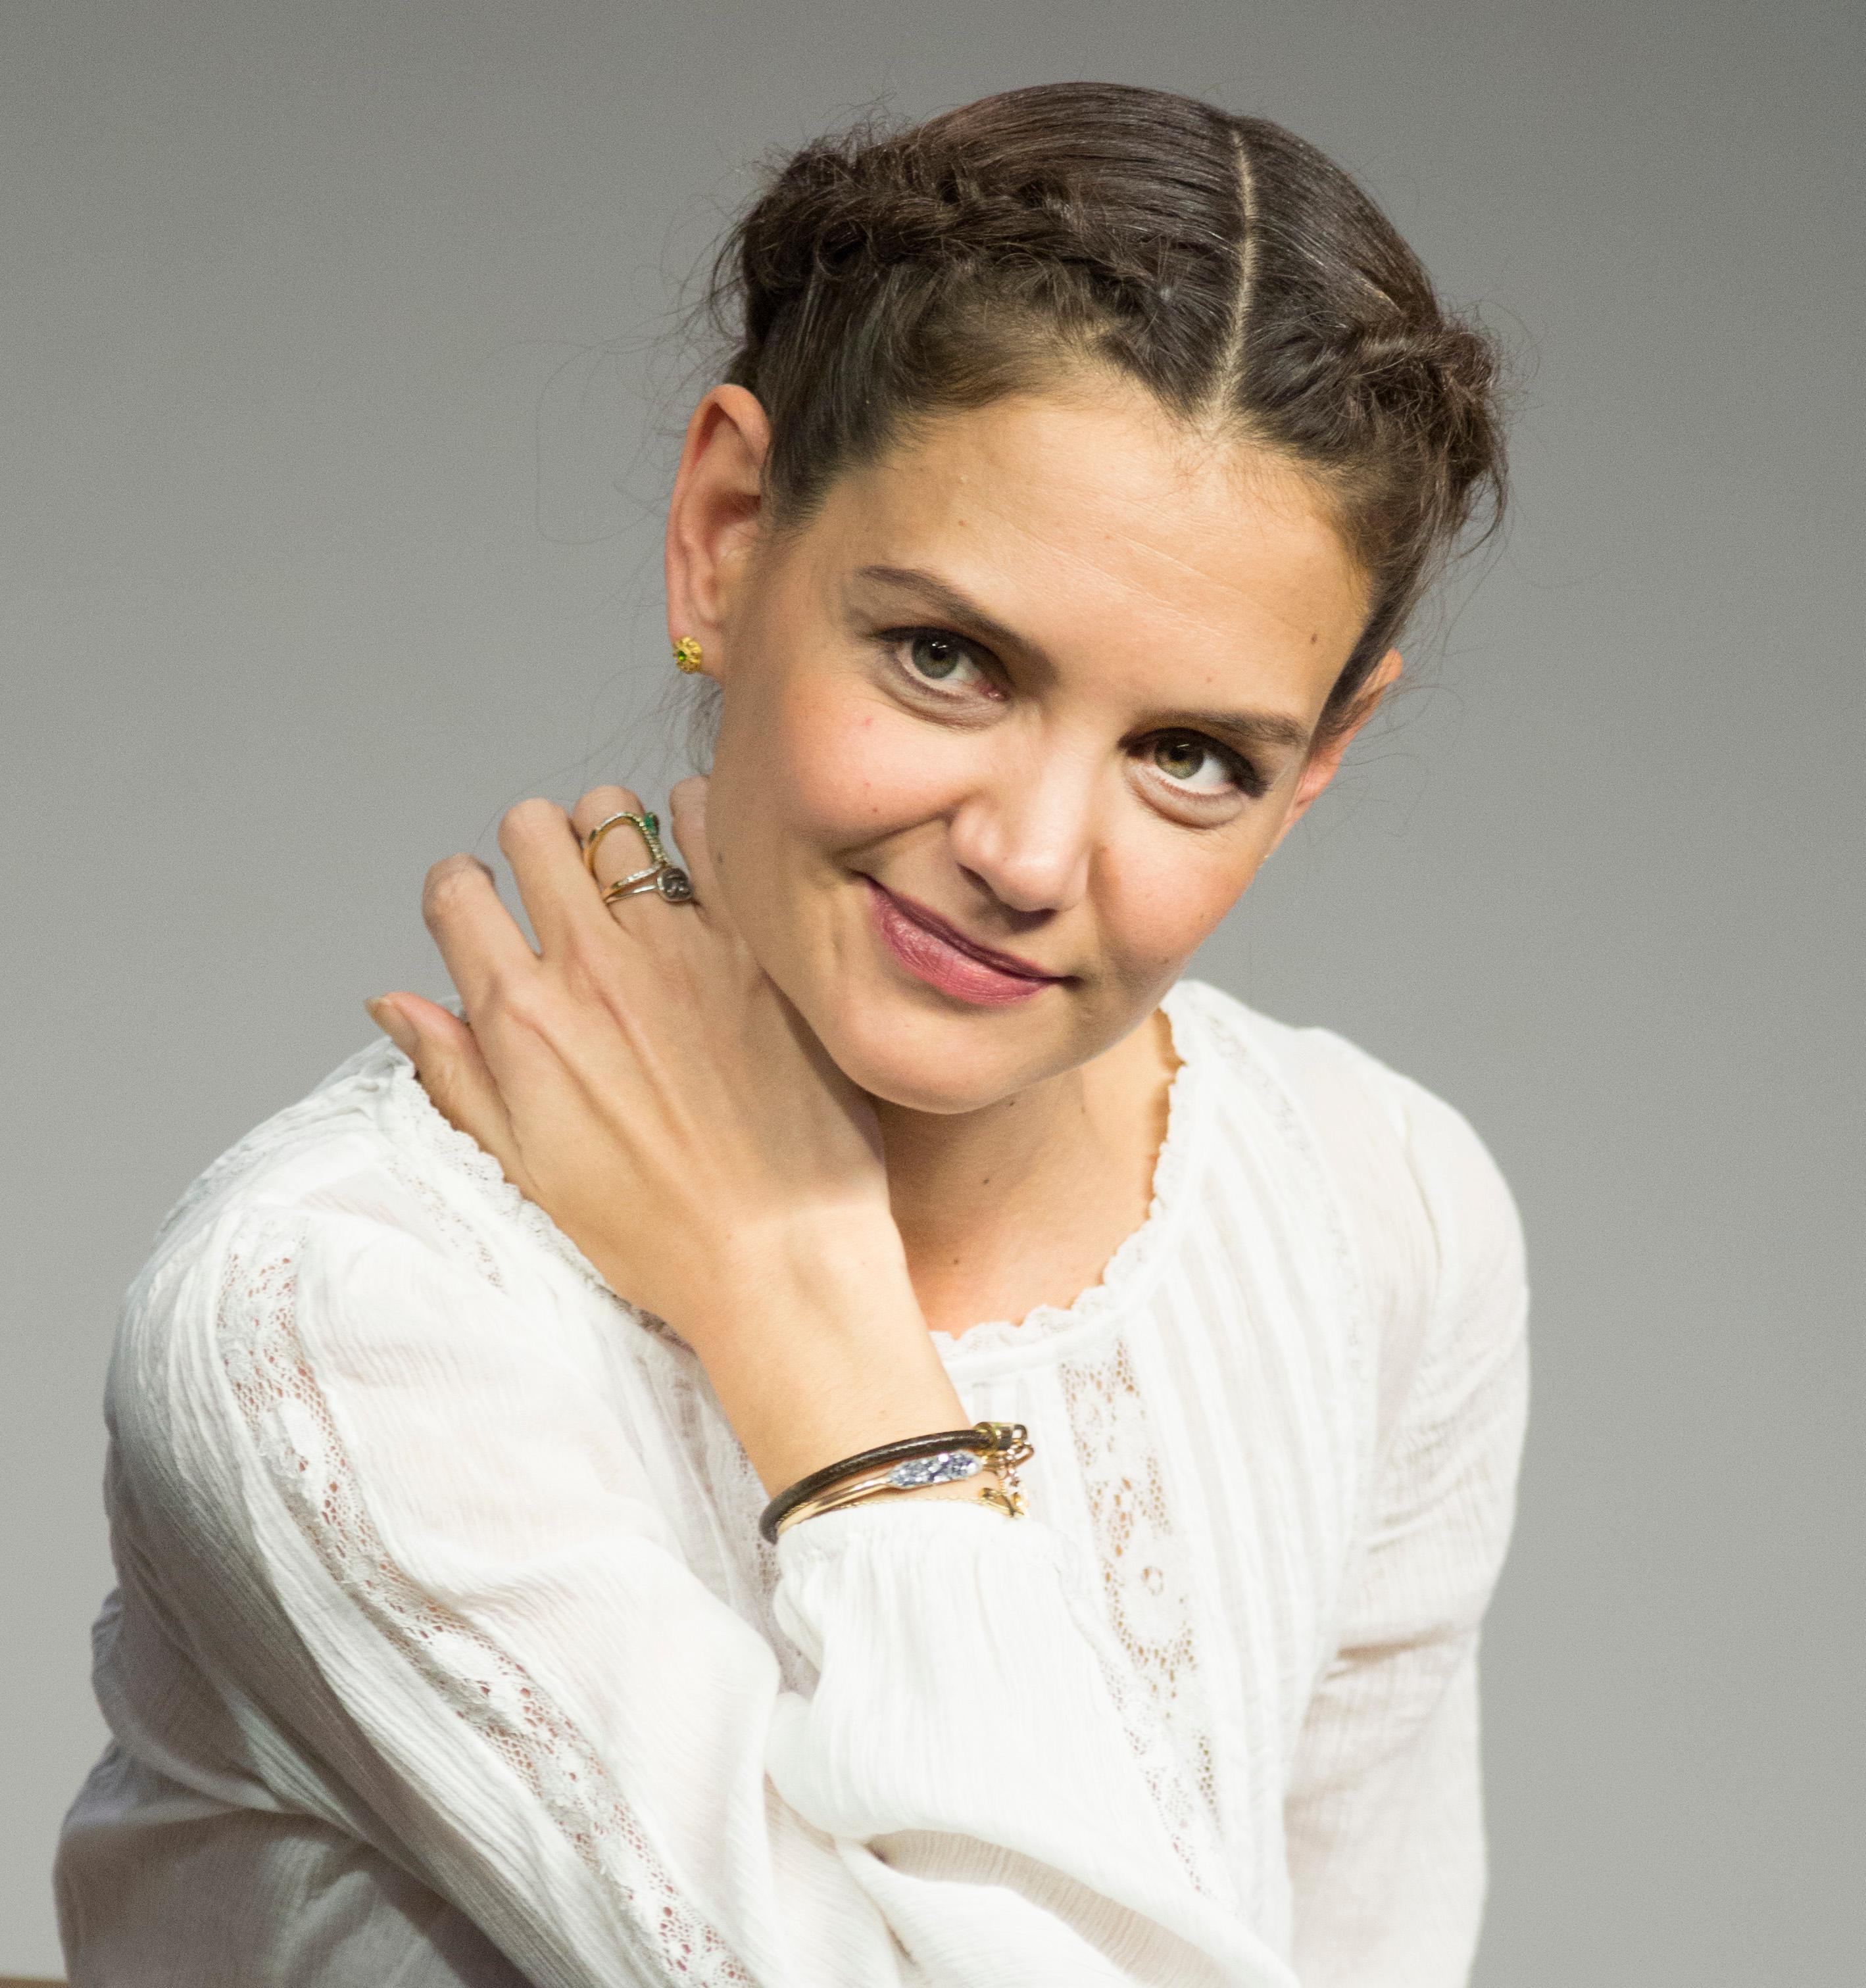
(393, 1024)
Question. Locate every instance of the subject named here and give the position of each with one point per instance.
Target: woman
(510, 1589)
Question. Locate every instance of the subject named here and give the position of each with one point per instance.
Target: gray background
(333, 433)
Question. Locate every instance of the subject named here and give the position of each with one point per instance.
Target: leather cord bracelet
(1004, 1445)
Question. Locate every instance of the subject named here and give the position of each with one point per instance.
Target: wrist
(817, 1347)
(832, 1278)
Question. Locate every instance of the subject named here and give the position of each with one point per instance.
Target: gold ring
(662, 876)
(647, 825)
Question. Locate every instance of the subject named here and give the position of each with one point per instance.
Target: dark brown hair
(1245, 280)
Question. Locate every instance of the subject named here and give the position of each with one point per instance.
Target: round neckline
(1127, 1278)
(1131, 1273)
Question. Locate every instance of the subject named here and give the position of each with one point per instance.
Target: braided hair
(1250, 285)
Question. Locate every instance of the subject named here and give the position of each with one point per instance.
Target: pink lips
(931, 950)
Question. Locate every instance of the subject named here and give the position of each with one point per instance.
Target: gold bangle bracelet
(861, 1491)
(846, 1491)
(908, 1463)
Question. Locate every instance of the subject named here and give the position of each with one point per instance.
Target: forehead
(1096, 522)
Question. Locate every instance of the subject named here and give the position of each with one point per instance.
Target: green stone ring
(663, 876)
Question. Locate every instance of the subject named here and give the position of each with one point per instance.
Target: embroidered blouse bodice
(445, 1649)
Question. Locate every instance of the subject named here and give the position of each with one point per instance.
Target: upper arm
(1384, 1811)
(412, 1543)
(1446, 1490)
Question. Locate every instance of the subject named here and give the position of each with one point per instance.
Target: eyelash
(1246, 777)
(897, 641)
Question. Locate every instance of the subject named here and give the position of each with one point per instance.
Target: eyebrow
(949, 601)
(1254, 728)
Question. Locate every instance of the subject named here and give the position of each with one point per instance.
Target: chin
(934, 1064)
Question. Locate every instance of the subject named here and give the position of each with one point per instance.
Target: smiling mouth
(941, 955)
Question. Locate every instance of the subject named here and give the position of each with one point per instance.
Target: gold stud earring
(686, 654)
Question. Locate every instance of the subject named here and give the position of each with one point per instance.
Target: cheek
(853, 773)
(1163, 904)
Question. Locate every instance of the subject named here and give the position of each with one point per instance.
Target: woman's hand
(640, 1078)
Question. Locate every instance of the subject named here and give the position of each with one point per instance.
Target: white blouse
(446, 1650)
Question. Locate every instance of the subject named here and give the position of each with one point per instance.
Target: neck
(1021, 1202)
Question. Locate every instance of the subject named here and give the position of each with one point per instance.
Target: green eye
(936, 656)
(1193, 763)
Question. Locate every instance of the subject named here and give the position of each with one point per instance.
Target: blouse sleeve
(413, 1542)
(1384, 1812)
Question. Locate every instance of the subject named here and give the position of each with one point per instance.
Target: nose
(1027, 830)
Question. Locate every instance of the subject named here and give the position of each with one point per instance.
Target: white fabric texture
(445, 1650)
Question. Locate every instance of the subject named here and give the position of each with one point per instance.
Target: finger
(625, 855)
(479, 939)
(687, 805)
(451, 1070)
(597, 805)
(623, 850)
(546, 853)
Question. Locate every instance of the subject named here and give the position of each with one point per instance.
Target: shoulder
(325, 1178)
(328, 1168)
(330, 1132)
(1356, 1103)
(355, 1232)
(365, 1155)
(346, 1349)
(1432, 1215)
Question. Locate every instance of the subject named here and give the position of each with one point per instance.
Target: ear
(713, 517)
(1322, 764)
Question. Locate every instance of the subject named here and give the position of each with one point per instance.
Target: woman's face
(1008, 726)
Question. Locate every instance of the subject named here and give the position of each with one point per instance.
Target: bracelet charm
(946, 1468)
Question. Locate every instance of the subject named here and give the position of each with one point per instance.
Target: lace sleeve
(371, 1457)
